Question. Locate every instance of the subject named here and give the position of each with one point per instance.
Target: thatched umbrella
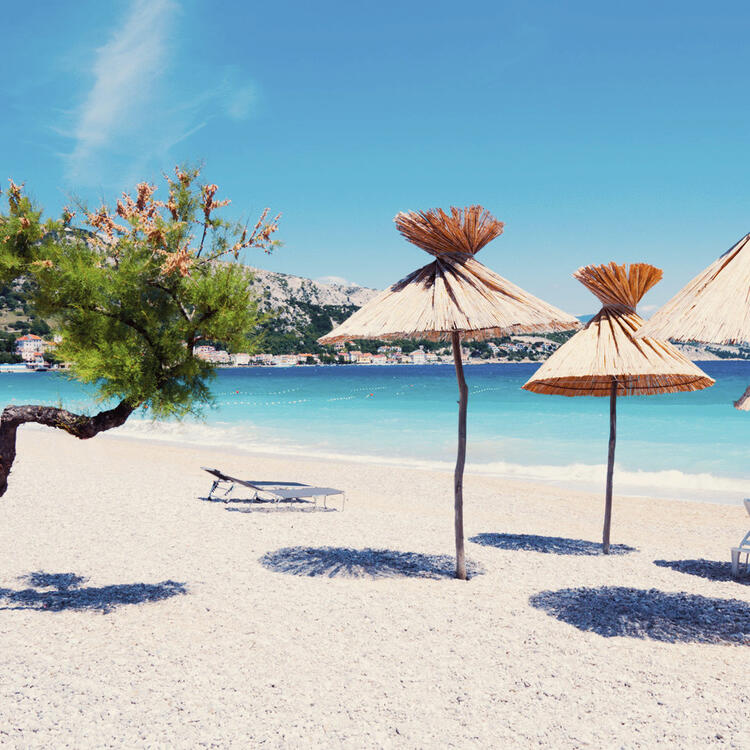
(713, 308)
(605, 359)
(451, 297)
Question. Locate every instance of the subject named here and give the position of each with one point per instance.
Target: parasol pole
(610, 463)
(458, 478)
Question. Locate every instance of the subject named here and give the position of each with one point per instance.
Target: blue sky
(596, 131)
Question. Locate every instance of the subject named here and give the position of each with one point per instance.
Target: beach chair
(269, 490)
(743, 549)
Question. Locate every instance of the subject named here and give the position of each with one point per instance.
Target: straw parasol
(451, 297)
(605, 359)
(713, 308)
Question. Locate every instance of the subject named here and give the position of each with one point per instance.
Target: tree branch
(78, 425)
(185, 314)
(203, 239)
(129, 322)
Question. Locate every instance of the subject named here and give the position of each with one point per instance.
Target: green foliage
(559, 337)
(8, 349)
(275, 338)
(132, 299)
(740, 353)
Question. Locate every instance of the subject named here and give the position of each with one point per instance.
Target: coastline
(404, 418)
(583, 477)
(466, 363)
(288, 627)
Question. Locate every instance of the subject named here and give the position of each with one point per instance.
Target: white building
(30, 347)
(212, 354)
(204, 352)
(240, 359)
(285, 360)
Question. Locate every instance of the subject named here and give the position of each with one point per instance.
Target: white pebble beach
(133, 613)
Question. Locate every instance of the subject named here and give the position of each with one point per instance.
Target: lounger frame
(742, 550)
(270, 491)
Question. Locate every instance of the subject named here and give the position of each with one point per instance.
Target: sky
(595, 131)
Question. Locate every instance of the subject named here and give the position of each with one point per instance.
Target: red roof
(29, 337)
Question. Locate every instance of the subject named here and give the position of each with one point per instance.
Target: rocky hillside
(279, 288)
(301, 310)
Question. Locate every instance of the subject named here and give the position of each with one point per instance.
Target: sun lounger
(268, 490)
(743, 549)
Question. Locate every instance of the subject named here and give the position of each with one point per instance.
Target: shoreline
(520, 473)
(467, 362)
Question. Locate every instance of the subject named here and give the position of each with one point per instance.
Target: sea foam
(669, 483)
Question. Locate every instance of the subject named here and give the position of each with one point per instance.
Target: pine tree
(131, 291)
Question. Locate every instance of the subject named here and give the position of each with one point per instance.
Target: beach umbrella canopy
(714, 308)
(607, 359)
(451, 298)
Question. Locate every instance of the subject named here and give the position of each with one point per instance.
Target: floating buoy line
(261, 399)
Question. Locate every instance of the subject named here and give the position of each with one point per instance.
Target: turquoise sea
(693, 445)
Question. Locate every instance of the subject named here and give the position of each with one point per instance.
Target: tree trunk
(458, 479)
(610, 464)
(78, 425)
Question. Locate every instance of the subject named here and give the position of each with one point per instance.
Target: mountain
(301, 310)
(279, 288)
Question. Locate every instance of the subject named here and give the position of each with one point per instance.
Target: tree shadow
(657, 615)
(67, 593)
(710, 569)
(346, 562)
(552, 545)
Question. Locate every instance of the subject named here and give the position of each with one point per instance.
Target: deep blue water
(683, 445)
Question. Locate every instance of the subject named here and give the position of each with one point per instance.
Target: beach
(134, 613)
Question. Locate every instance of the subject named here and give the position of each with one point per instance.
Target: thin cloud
(126, 73)
(148, 97)
(239, 102)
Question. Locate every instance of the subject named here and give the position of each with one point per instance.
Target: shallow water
(692, 445)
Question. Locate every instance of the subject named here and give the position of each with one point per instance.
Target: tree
(132, 293)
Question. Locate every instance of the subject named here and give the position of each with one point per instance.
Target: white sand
(250, 656)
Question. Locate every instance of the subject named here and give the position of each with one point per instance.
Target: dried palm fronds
(451, 297)
(743, 402)
(606, 358)
(464, 232)
(714, 307)
(607, 349)
(454, 292)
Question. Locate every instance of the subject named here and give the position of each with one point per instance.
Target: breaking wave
(669, 483)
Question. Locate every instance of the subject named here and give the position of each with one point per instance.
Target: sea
(693, 446)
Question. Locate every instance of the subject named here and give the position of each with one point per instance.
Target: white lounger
(742, 549)
(271, 491)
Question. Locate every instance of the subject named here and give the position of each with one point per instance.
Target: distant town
(348, 353)
(299, 311)
(37, 353)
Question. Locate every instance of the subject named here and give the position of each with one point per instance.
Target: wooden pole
(610, 464)
(458, 477)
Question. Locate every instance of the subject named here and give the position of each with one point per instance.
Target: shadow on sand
(67, 593)
(278, 508)
(345, 562)
(264, 506)
(710, 569)
(552, 545)
(656, 615)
